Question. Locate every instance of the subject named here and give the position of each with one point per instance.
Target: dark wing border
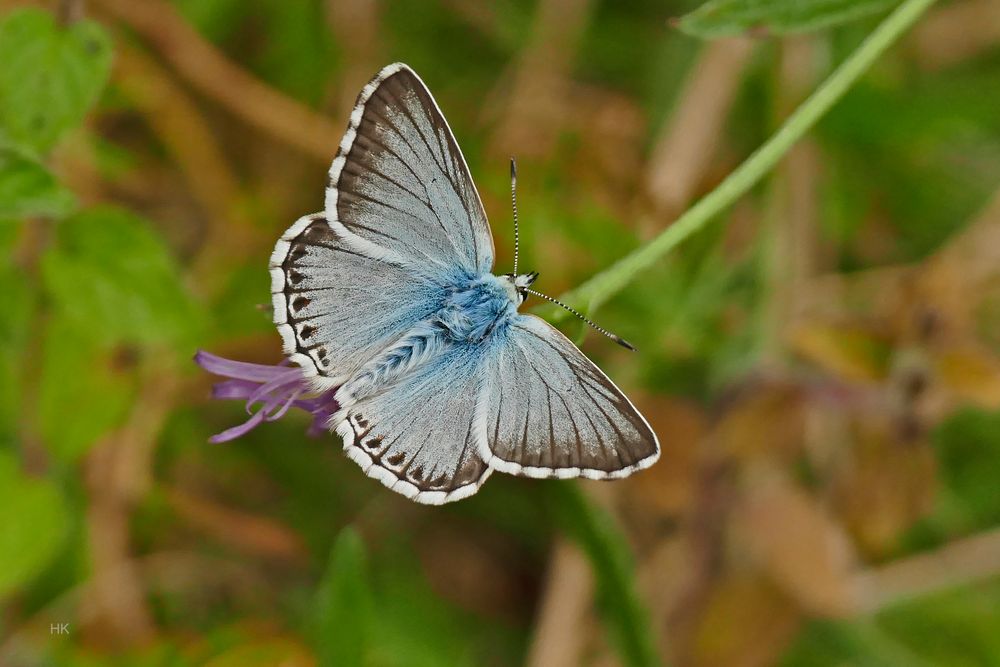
(374, 467)
(279, 301)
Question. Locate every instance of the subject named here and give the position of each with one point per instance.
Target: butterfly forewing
(335, 307)
(400, 181)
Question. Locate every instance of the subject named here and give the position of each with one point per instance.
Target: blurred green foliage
(27, 188)
(50, 77)
(287, 554)
(346, 627)
(35, 525)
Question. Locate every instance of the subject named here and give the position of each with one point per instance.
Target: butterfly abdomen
(421, 343)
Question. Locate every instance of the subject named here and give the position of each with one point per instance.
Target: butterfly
(388, 296)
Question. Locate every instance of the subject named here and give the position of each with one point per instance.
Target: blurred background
(820, 363)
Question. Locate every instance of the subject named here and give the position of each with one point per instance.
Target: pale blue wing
(417, 436)
(335, 307)
(400, 185)
(551, 412)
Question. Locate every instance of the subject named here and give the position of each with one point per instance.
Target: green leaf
(344, 604)
(826, 643)
(112, 284)
(111, 275)
(609, 555)
(719, 18)
(50, 76)
(956, 627)
(27, 188)
(968, 452)
(34, 522)
(84, 392)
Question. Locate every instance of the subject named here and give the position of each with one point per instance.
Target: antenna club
(624, 343)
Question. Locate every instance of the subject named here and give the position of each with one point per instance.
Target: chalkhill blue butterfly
(387, 299)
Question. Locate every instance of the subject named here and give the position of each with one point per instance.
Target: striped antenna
(615, 337)
(513, 203)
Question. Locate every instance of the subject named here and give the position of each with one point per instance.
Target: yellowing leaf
(747, 623)
(972, 374)
(884, 486)
(665, 490)
(852, 354)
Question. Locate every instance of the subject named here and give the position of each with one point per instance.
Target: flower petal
(239, 370)
(237, 431)
(231, 389)
(288, 376)
(277, 388)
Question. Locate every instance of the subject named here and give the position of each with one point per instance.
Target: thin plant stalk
(598, 289)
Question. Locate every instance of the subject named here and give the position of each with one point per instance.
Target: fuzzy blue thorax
(473, 311)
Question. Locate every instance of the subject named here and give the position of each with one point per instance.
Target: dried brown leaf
(765, 420)
(667, 489)
(883, 486)
(802, 548)
(972, 373)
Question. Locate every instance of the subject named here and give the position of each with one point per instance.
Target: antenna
(513, 203)
(618, 339)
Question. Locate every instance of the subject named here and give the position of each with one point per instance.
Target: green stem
(615, 278)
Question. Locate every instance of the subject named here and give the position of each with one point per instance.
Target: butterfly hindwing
(417, 436)
(400, 182)
(551, 412)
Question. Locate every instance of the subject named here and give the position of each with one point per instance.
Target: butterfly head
(518, 284)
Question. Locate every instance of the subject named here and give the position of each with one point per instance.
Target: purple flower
(276, 388)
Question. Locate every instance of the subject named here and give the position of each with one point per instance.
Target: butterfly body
(387, 297)
(475, 311)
